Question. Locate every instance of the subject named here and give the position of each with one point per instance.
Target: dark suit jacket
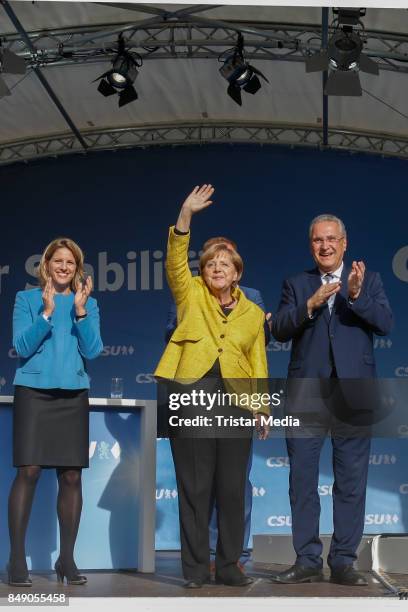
(344, 339)
(252, 294)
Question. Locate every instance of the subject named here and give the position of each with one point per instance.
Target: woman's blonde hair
(61, 243)
(214, 250)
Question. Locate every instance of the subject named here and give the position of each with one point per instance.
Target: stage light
(239, 73)
(10, 64)
(120, 78)
(344, 57)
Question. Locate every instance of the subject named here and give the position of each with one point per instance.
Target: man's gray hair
(331, 218)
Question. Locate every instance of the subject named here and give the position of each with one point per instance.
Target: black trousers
(208, 467)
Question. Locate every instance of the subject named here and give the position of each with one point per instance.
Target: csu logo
(276, 347)
(116, 351)
(277, 462)
(166, 494)
(145, 378)
(12, 353)
(404, 489)
(325, 490)
(258, 491)
(279, 521)
(2, 381)
(382, 343)
(401, 371)
(382, 459)
(103, 450)
(381, 519)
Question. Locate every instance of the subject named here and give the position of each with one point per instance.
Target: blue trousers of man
(350, 467)
(246, 553)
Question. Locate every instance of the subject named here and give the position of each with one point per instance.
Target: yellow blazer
(204, 333)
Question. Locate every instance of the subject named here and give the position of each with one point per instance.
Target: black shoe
(347, 575)
(235, 580)
(298, 574)
(193, 584)
(18, 579)
(72, 577)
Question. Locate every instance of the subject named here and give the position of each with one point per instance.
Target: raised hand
(198, 199)
(82, 293)
(322, 295)
(48, 298)
(355, 279)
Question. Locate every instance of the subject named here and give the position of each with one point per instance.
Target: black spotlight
(120, 78)
(10, 64)
(344, 56)
(239, 73)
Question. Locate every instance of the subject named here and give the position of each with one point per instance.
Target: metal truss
(204, 133)
(178, 36)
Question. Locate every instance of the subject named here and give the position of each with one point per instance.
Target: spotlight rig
(239, 73)
(10, 63)
(120, 78)
(344, 55)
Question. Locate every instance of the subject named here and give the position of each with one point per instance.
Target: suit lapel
(342, 296)
(314, 279)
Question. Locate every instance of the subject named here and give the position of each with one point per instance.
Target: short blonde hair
(62, 243)
(215, 249)
(220, 240)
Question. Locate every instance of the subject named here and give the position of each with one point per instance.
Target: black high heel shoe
(18, 580)
(74, 578)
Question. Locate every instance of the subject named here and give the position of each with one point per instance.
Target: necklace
(228, 304)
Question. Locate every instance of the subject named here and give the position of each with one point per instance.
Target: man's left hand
(355, 279)
(262, 428)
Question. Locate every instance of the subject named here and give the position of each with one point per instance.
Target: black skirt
(51, 427)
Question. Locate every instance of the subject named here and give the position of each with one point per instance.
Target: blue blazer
(252, 294)
(344, 339)
(51, 354)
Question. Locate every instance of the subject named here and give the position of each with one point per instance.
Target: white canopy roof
(175, 89)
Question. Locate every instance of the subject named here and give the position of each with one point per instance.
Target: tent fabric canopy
(178, 85)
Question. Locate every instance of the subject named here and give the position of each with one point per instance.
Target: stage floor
(167, 582)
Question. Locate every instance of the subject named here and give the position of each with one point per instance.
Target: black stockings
(69, 506)
(19, 508)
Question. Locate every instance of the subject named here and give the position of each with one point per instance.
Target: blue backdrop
(118, 206)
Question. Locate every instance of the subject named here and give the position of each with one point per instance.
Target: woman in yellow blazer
(219, 337)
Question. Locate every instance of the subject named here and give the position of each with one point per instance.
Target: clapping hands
(355, 279)
(82, 293)
(48, 298)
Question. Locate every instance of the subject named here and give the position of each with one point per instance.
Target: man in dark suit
(330, 314)
(255, 296)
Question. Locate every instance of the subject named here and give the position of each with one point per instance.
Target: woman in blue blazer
(55, 328)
